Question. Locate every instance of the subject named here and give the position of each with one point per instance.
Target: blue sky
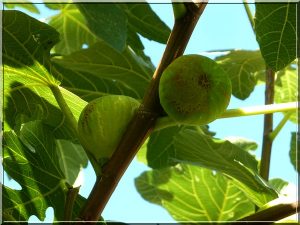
(222, 26)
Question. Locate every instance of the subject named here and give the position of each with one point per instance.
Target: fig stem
(69, 204)
(281, 124)
(249, 14)
(267, 142)
(67, 113)
(165, 122)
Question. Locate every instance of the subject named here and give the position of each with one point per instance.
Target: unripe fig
(194, 89)
(103, 122)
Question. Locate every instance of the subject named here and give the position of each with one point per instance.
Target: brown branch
(144, 120)
(69, 203)
(274, 213)
(268, 126)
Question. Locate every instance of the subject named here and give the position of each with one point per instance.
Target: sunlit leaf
(286, 88)
(191, 193)
(275, 26)
(28, 73)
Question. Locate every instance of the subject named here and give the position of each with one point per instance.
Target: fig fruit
(194, 89)
(102, 123)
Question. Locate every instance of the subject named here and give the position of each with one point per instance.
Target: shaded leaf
(195, 148)
(33, 162)
(191, 193)
(275, 27)
(161, 149)
(124, 71)
(294, 156)
(286, 88)
(142, 19)
(241, 66)
(107, 21)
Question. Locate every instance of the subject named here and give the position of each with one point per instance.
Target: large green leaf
(33, 162)
(241, 66)
(275, 27)
(120, 72)
(71, 25)
(107, 21)
(142, 19)
(191, 193)
(286, 88)
(196, 148)
(294, 156)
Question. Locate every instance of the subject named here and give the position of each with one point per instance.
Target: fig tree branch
(268, 126)
(273, 214)
(143, 122)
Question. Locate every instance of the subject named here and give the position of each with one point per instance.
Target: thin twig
(276, 131)
(249, 14)
(144, 120)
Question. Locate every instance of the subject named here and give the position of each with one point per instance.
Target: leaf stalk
(165, 122)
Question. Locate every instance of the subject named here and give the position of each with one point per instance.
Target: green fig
(194, 89)
(102, 124)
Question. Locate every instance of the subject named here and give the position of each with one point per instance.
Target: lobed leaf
(275, 27)
(33, 162)
(191, 193)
